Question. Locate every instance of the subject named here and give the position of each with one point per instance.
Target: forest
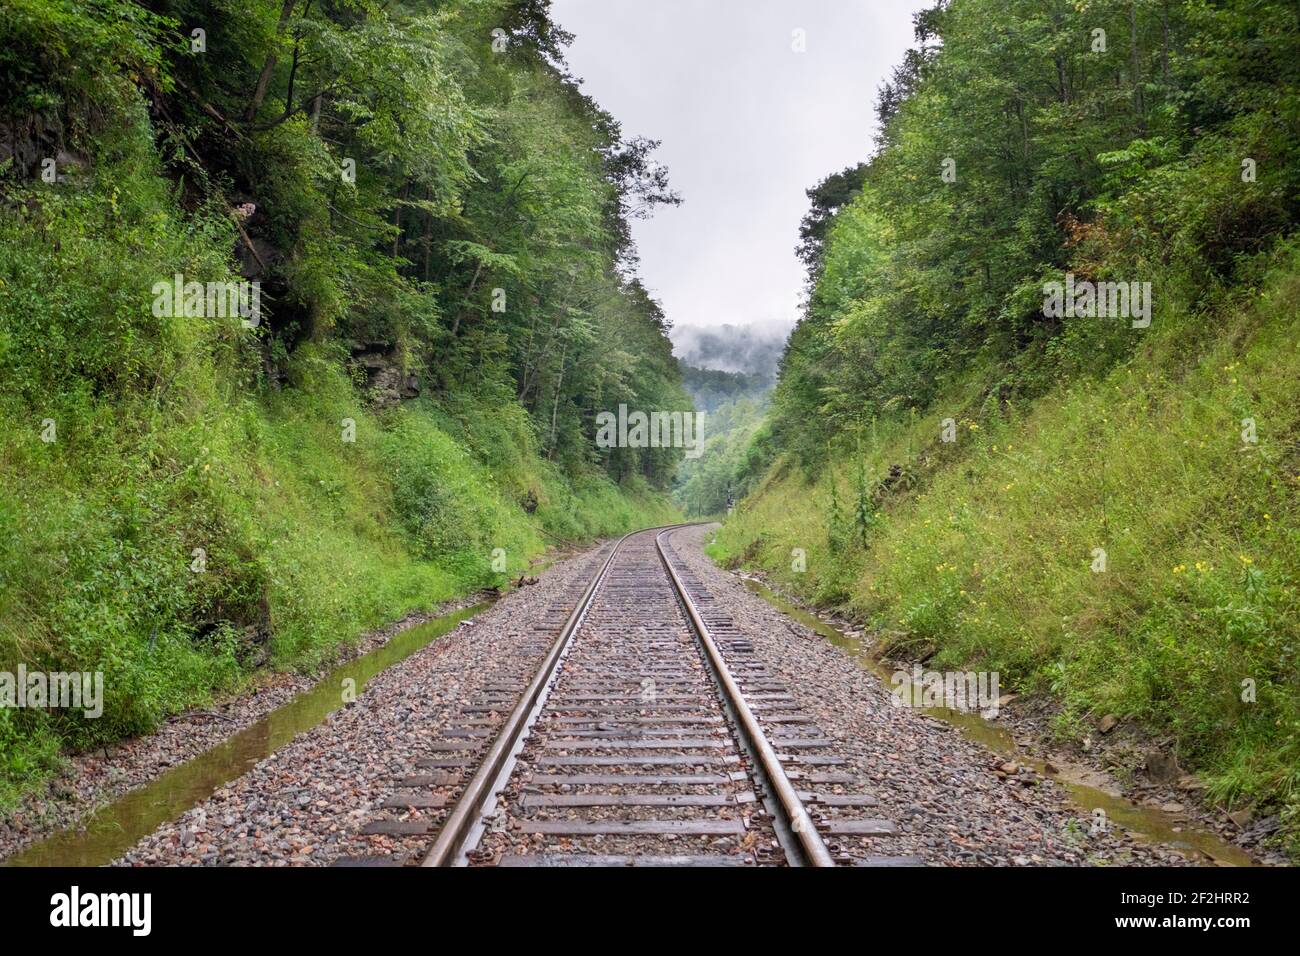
(310, 310)
(1102, 507)
(425, 229)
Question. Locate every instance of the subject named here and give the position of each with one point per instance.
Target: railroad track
(650, 734)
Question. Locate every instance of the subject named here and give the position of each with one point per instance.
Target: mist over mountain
(710, 388)
(753, 348)
(729, 372)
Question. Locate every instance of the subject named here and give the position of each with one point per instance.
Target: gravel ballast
(94, 778)
(307, 803)
(943, 791)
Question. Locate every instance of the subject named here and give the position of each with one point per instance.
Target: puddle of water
(117, 827)
(1149, 823)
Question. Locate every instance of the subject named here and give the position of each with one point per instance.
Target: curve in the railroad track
(651, 734)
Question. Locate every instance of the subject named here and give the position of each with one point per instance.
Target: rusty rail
(814, 850)
(454, 836)
(463, 827)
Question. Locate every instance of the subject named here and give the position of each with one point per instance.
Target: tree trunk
(397, 219)
(1135, 62)
(1164, 42)
(428, 236)
(455, 326)
(268, 68)
(555, 405)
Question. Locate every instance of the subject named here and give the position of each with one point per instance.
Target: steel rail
(810, 841)
(454, 836)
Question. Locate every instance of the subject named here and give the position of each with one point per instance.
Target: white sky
(747, 125)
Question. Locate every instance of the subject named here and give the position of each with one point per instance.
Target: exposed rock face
(390, 386)
(257, 256)
(387, 382)
(33, 143)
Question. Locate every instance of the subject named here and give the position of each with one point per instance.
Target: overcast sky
(747, 125)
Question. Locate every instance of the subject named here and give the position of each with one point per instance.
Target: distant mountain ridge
(754, 348)
(735, 405)
(712, 388)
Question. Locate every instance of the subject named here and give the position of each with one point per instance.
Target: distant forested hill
(711, 388)
(735, 404)
(752, 348)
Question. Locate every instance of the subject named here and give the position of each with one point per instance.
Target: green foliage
(474, 172)
(436, 496)
(1122, 164)
(989, 558)
(55, 55)
(733, 406)
(1126, 164)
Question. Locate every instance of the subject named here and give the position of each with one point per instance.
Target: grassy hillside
(308, 540)
(186, 497)
(734, 404)
(1115, 520)
(985, 549)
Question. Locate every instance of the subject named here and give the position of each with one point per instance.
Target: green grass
(310, 542)
(987, 551)
(168, 439)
